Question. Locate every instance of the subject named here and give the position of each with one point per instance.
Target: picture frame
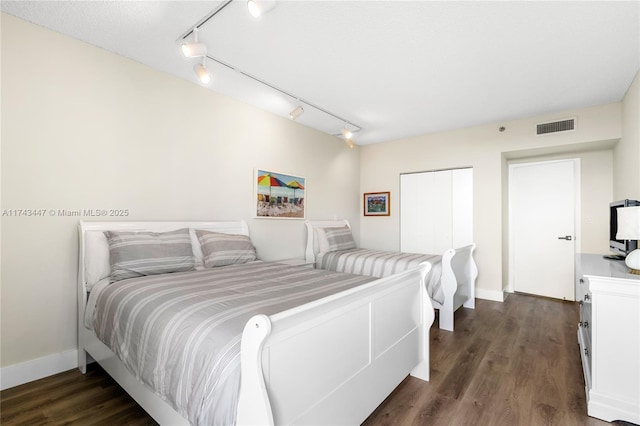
(377, 203)
(279, 195)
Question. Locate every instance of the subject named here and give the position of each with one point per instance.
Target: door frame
(577, 213)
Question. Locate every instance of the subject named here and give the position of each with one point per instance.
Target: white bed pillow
(197, 249)
(96, 258)
(321, 239)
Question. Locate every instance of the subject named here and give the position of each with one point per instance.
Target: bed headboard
(93, 255)
(312, 238)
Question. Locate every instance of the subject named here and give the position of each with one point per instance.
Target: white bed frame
(332, 361)
(459, 273)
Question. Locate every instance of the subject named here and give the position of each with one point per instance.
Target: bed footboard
(459, 273)
(334, 361)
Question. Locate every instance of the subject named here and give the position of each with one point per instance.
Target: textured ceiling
(395, 68)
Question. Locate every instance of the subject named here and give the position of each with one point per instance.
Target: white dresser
(609, 337)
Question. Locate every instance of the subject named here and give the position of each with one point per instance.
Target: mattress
(377, 263)
(180, 333)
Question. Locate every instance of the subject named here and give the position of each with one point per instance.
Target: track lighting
(297, 112)
(202, 72)
(199, 50)
(347, 135)
(257, 8)
(195, 49)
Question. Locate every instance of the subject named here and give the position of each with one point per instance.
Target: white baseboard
(496, 296)
(39, 368)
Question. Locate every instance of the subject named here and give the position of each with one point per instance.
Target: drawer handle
(581, 280)
(586, 351)
(580, 324)
(586, 324)
(587, 297)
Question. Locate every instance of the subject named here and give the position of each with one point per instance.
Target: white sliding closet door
(413, 199)
(436, 210)
(462, 207)
(440, 212)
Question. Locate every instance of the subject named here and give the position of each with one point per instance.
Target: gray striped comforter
(180, 333)
(376, 263)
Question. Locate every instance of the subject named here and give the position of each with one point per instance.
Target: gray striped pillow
(225, 249)
(339, 238)
(136, 254)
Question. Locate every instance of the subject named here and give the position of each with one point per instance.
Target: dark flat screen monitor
(620, 247)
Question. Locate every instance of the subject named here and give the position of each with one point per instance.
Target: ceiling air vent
(556, 126)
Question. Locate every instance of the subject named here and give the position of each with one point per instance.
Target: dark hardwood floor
(71, 398)
(512, 363)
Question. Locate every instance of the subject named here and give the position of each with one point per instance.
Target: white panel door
(542, 201)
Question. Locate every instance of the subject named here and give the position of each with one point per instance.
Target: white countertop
(596, 265)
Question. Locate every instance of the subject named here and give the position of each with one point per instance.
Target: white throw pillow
(197, 250)
(321, 238)
(96, 258)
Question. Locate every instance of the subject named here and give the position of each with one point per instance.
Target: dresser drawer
(586, 323)
(584, 331)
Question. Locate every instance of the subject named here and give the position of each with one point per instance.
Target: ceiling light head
(202, 73)
(257, 8)
(297, 112)
(347, 135)
(194, 49)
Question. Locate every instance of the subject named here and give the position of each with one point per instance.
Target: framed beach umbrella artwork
(279, 195)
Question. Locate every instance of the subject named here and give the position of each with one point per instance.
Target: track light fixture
(297, 112)
(257, 8)
(346, 133)
(195, 49)
(202, 72)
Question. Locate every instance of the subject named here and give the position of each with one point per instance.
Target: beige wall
(627, 152)
(86, 129)
(83, 128)
(488, 151)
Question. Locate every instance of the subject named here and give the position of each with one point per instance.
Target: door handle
(566, 237)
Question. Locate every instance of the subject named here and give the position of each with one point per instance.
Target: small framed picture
(376, 204)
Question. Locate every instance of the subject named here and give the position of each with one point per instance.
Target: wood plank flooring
(512, 363)
(71, 398)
